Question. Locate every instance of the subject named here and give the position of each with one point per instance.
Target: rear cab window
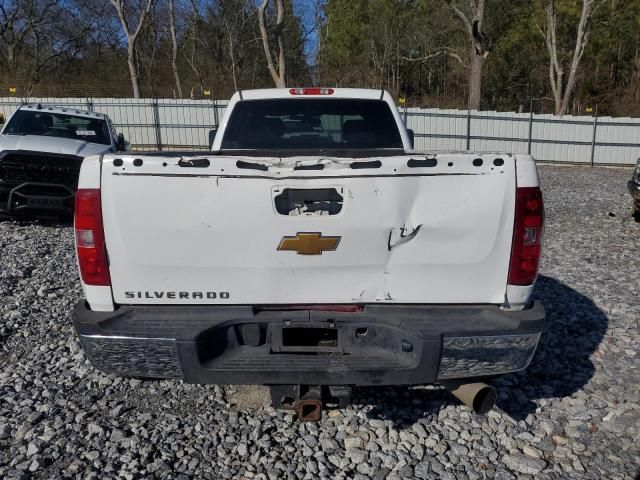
(298, 124)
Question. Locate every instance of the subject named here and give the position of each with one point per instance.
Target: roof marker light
(311, 91)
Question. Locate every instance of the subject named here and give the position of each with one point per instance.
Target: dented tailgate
(233, 230)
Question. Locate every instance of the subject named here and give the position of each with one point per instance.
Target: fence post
(156, 121)
(215, 112)
(593, 137)
(468, 128)
(530, 130)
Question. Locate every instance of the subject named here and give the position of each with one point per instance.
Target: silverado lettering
(176, 294)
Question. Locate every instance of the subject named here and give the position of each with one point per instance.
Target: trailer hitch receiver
(308, 401)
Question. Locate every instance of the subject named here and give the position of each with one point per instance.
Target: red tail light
(90, 246)
(527, 236)
(311, 91)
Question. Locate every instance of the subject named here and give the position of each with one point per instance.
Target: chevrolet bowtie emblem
(309, 243)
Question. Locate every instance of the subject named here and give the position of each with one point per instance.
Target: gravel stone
(440, 448)
(357, 455)
(531, 452)
(573, 414)
(32, 449)
(524, 464)
(421, 470)
(419, 430)
(353, 442)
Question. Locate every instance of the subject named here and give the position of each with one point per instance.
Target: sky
(306, 10)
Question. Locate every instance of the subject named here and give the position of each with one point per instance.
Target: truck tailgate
(230, 230)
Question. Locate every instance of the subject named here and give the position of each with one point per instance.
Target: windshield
(49, 124)
(311, 123)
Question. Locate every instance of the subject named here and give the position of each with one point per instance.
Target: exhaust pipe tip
(480, 397)
(484, 400)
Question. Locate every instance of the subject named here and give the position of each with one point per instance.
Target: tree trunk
(475, 80)
(282, 66)
(174, 49)
(191, 60)
(479, 48)
(233, 65)
(132, 39)
(133, 71)
(557, 103)
(562, 93)
(636, 73)
(232, 54)
(278, 76)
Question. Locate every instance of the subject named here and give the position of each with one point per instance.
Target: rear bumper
(382, 345)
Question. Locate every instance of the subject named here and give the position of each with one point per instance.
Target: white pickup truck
(41, 150)
(311, 250)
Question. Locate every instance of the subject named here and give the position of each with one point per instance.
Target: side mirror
(412, 136)
(121, 145)
(212, 136)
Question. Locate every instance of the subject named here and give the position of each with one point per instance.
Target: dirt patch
(248, 396)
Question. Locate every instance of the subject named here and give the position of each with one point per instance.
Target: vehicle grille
(19, 167)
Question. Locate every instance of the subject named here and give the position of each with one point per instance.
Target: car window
(50, 124)
(311, 123)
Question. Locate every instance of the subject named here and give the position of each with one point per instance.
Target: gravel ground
(574, 413)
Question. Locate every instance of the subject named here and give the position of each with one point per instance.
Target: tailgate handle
(312, 201)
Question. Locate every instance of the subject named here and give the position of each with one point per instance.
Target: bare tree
(132, 37)
(278, 75)
(147, 49)
(192, 38)
(13, 32)
(232, 54)
(479, 44)
(561, 92)
(636, 72)
(53, 43)
(235, 17)
(38, 37)
(174, 48)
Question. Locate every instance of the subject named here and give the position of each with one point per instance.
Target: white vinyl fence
(549, 138)
(168, 124)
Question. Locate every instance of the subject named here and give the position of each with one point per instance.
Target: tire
(636, 212)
